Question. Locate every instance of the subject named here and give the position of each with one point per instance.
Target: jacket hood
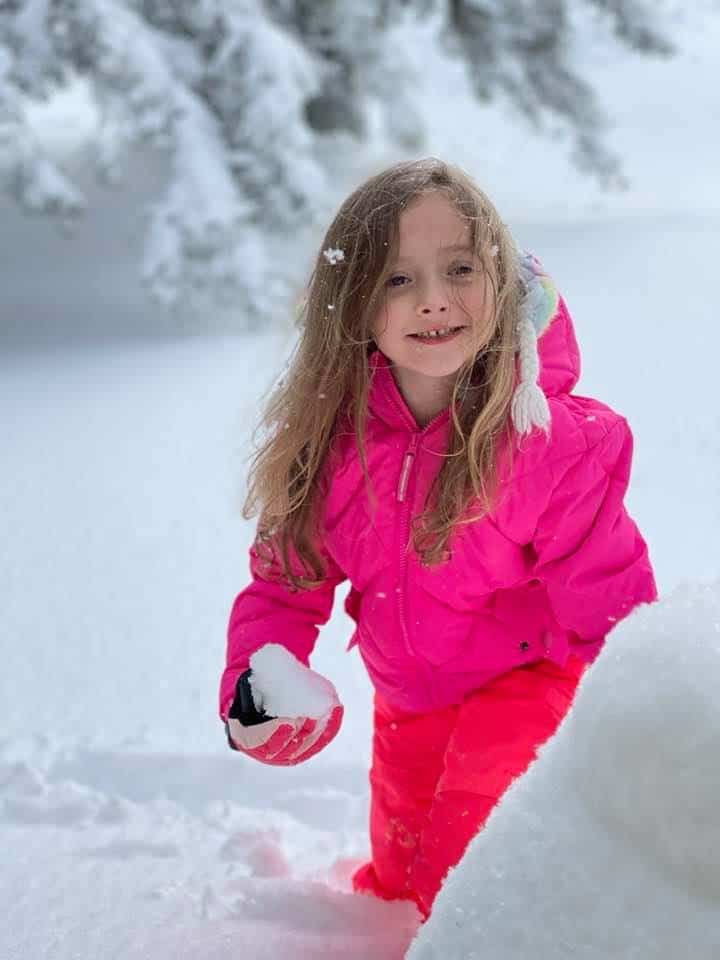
(557, 347)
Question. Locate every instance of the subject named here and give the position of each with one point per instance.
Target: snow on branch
(633, 24)
(25, 171)
(216, 85)
(524, 51)
(199, 234)
(247, 99)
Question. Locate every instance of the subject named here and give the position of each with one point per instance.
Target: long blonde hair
(328, 377)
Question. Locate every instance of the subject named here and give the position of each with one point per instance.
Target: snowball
(284, 687)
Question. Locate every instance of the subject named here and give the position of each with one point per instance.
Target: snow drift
(610, 845)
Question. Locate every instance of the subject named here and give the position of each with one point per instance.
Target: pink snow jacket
(551, 571)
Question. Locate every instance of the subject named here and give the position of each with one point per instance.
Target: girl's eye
(461, 269)
(397, 280)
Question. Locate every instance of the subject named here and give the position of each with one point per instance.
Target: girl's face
(436, 283)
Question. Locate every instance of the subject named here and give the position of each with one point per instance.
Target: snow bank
(609, 846)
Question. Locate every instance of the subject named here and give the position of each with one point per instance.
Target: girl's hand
(284, 741)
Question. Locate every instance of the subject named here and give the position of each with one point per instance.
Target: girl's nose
(432, 301)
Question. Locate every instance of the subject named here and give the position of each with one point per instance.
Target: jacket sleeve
(269, 610)
(589, 554)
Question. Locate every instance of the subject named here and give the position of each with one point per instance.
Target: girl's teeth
(436, 333)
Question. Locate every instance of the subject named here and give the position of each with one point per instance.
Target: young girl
(427, 447)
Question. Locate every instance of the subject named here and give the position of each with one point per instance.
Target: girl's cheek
(380, 323)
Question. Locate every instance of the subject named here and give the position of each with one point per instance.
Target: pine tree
(242, 94)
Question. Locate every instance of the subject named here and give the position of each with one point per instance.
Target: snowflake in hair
(334, 255)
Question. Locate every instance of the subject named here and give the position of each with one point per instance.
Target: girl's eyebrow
(451, 248)
(459, 246)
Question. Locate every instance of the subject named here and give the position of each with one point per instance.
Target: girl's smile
(435, 335)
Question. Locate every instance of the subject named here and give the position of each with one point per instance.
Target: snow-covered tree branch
(242, 95)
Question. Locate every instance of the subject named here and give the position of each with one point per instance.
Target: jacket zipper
(405, 472)
(401, 497)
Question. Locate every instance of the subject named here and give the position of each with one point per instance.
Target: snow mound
(608, 846)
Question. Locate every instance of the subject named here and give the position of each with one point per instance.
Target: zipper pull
(405, 472)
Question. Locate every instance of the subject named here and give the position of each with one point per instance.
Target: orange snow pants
(435, 777)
